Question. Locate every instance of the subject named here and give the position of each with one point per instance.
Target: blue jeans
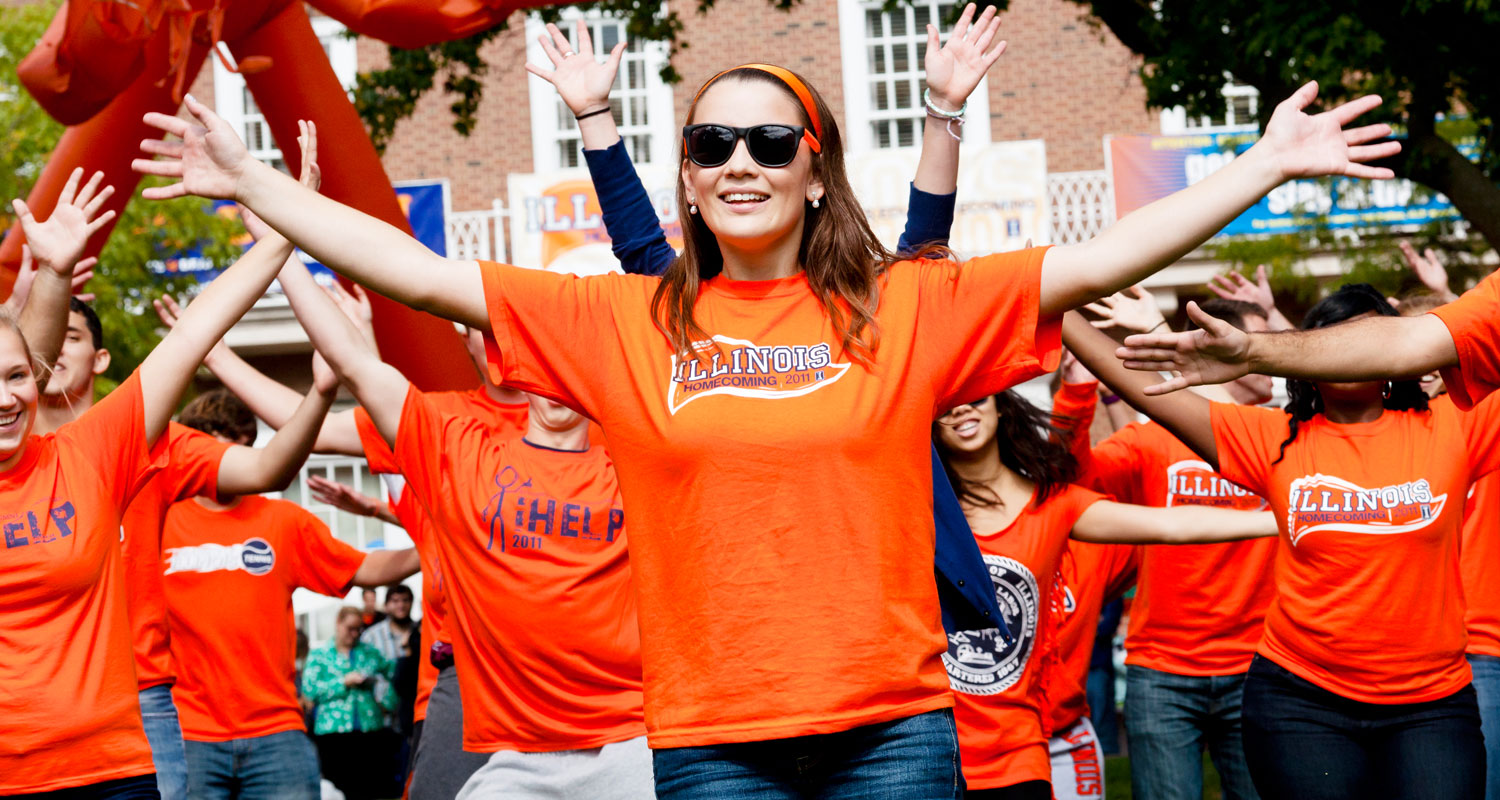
(139, 788)
(1486, 671)
(281, 766)
(1170, 720)
(1303, 742)
(915, 758)
(164, 734)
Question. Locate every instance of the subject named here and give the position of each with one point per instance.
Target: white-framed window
(233, 102)
(1242, 104)
(640, 101)
(884, 53)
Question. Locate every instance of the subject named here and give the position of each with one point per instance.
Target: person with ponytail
(1024, 509)
(1359, 686)
(768, 403)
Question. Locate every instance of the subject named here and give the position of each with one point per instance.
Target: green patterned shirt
(344, 709)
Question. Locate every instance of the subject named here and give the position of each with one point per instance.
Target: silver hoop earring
(815, 202)
(692, 208)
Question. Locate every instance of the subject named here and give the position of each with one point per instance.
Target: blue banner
(425, 204)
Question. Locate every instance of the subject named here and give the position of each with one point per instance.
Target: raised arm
(252, 470)
(1294, 145)
(56, 246)
(346, 498)
(169, 367)
(584, 84)
(1108, 522)
(1375, 348)
(1185, 414)
(213, 162)
(385, 567)
(379, 387)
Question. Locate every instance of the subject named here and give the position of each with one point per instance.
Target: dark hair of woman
(1030, 445)
(1349, 301)
(840, 255)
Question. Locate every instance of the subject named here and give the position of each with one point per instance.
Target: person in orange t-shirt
(1359, 686)
(768, 402)
(1023, 510)
(195, 464)
(532, 540)
(1479, 551)
(241, 722)
(1198, 612)
(1091, 575)
(69, 716)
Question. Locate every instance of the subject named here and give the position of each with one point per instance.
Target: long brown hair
(841, 257)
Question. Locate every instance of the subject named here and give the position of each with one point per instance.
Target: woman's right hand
(353, 679)
(210, 159)
(582, 82)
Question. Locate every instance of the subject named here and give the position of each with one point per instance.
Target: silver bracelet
(934, 111)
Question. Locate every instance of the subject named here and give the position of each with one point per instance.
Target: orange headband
(794, 83)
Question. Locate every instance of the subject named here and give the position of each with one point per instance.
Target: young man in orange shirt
(1198, 611)
(230, 569)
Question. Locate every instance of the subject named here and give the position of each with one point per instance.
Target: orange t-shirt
(1479, 552)
(997, 685)
(1370, 603)
(1092, 575)
(68, 710)
(192, 469)
(533, 540)
(506, 418)
(229, 577)
(1199, 609)
(1473, 321)
(780, 494)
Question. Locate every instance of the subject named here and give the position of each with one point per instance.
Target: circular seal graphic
(257, 556)
(983, 663)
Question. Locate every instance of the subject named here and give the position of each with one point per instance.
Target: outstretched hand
(1215, 353)
(58, 243)
(342, 497)
(1133, 310)
(1429, 270)
(1073, 371)
(581, 81)
(1310, 145)
(26, 275)
(1235, 286)
(954, 68)
(208, 157)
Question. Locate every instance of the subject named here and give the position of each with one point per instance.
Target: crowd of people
(857, 564)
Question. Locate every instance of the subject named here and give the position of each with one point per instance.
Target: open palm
(956, 67)
(581, 81)
(208, 157)
(1311, 145)
(1216, 352)
(58, 242)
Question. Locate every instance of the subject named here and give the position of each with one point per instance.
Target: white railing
(1083, 204)
(478, 235)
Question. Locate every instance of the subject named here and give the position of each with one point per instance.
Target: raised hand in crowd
(954, 69)
(26, 274)
(582, 81)
(1235, 286)
(1215, 352)
(1133, 310)
(349, 500)
(1429, 270)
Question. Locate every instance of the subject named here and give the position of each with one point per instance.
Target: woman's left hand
(1310, 145)
(954, 68)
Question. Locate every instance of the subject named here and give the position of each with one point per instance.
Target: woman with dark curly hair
(1023, 508)
(1360, 687)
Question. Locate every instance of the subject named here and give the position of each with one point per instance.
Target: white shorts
(618, 771)
(1077, 762)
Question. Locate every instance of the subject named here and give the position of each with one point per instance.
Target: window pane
(609, 36)
(636, 70)
(881, 97)
(877, 59)
(899, 60)
(898, 22)
(922, 16)
(872, 23)
(905, 136)
(903, 95)
(882, 134)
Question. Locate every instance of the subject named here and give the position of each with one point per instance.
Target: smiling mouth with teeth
(9, 418)
(744, 197)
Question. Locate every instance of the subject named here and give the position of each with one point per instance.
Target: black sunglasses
(772, 146)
